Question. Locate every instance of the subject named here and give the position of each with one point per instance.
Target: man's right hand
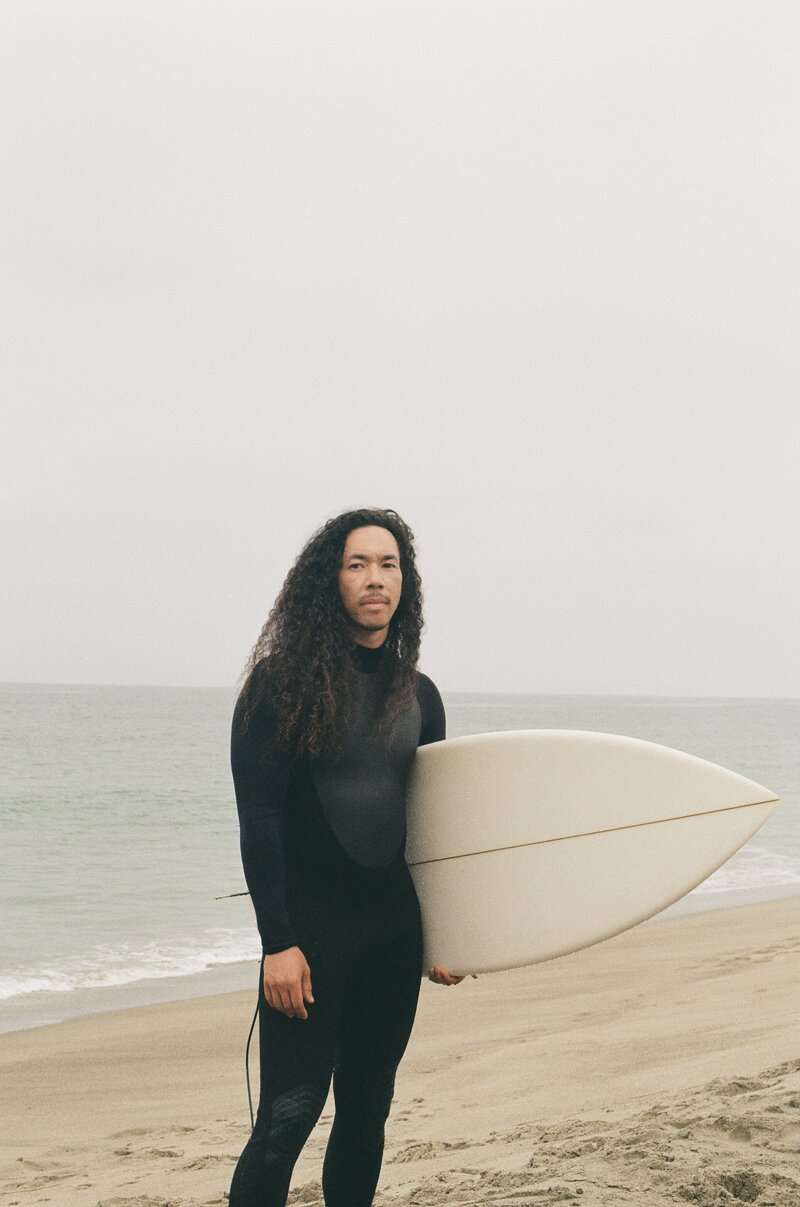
(287, 982)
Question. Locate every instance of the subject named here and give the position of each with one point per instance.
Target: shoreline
(42, 1009)
(659, 1066)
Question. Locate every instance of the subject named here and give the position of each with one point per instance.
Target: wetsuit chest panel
(363, 792)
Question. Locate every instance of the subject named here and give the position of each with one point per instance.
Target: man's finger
(269, 995)
(285, 1003)
(307, 994)
(441, 976)
(296, 999)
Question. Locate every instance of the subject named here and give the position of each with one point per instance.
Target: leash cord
(247, 1068)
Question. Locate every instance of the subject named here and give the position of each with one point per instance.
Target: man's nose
(375, 576)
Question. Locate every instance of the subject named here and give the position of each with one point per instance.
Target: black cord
(247, 1068)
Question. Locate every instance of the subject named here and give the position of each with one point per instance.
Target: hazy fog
(527, 272)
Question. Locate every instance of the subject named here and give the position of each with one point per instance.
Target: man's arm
(261, 780)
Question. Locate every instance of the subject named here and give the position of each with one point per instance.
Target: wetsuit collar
(368, 660)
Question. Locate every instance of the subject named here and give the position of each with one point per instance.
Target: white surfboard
(527, 845)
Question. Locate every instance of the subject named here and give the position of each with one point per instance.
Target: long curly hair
(307, 643)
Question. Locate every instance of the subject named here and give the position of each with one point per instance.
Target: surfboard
(531, 844)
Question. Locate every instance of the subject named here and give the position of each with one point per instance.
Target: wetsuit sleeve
(432, 709)
(261, 781)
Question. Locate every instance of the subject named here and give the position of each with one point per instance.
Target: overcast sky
(527, 272)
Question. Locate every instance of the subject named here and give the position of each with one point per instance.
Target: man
(323, 737)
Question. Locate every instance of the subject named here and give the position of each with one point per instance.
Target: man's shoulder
(432, 709)
(425, 684)
(255, 695)
(253, 679)
(260, 672)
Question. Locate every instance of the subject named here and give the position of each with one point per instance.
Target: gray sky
(527, 272)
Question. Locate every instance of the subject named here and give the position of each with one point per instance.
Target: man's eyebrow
(363, 557)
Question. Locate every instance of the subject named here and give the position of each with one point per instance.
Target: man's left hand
(441, 976)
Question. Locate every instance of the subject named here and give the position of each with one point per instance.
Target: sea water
(119, 830)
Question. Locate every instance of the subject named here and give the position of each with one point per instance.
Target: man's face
(370, 580)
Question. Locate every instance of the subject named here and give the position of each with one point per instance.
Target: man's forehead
(370, 542)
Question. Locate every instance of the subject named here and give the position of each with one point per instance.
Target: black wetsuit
(323, 855)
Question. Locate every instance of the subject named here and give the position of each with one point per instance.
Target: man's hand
(287, 982)
(440, 976)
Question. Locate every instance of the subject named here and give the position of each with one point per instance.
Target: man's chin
(363, 625)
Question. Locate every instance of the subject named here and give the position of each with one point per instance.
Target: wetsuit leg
(296, 1060)
(376, 1021)
(364, 949)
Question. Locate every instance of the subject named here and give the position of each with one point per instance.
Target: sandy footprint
(147, 1154)
(139, 1200)
(210, 1160)
(423, 1150)
(42, 1175)
(494, 1188)
(310, 1195)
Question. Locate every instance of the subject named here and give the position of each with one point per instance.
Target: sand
(660, 1067)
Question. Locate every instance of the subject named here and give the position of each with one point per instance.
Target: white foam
(753, 868)
(105, 965)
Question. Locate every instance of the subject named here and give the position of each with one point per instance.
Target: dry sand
(661, 1067)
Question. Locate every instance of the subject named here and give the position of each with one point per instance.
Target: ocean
(119, 830)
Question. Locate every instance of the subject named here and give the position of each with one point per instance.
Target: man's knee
(291, 1121)
(365, 1097)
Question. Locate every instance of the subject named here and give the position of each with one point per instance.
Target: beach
(662, 1066)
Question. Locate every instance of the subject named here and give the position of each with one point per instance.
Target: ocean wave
(107, 965)
(754, 868)
(104, 966)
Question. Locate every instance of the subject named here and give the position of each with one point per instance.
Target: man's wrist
(275, 948)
